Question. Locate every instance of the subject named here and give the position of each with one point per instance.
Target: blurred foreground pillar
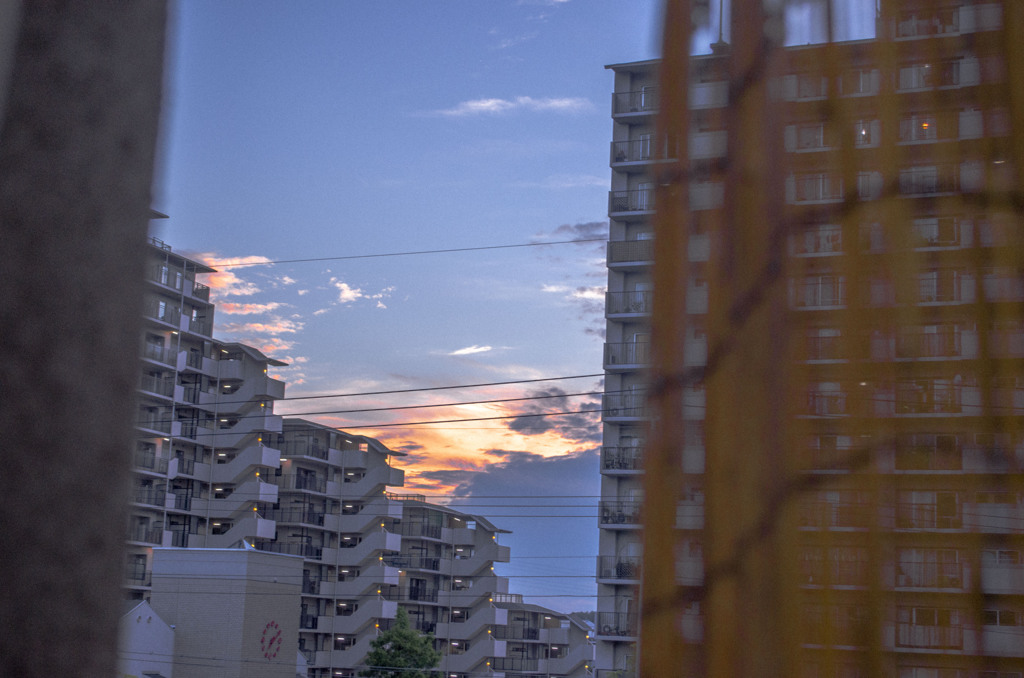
(78, 125)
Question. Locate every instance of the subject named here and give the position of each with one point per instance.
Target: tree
(402, 652)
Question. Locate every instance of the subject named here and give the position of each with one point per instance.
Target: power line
(414, 390)
(410, 253)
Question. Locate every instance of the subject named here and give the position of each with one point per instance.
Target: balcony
(630, 254)
(641, 103)
(157, 384)
(621, 459)
(150, 496)
(618, 569)
(625, 407)
(616, 626)
(146, 535)
(633, 304)
(634, 203)
(407, 561)
(631, 355)
(619, 514)
(930, 637)
(929, 575)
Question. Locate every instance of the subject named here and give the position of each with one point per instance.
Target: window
(916, 76)
(928, 510)
(818, 186)
(919, 128)
(819, 239)
(928, 452)
(859, 81)
(937, 231)
(928, 627)
(928, 568)
(863, 133)
(921, 180)
(821, 290)
(1000, 617)
(809, 137)
(811, 86)
(939, 286)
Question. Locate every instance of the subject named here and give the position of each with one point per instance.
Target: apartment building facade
(205, 417)
(215, 468)
(927, 133)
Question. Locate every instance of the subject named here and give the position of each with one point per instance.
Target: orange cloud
(246, 309)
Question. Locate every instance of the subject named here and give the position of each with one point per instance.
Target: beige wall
(226, 605)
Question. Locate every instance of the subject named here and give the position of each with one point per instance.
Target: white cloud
(346, 293)
(495, 106)
(469, 350)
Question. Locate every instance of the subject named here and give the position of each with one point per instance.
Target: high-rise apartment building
(216, 468)
(920, 154)
(205, 418)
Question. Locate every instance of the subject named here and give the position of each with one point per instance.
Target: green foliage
(402, 652)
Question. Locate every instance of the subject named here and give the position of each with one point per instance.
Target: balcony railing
(929, 575)
(302, 447)
(159, 353)
(627, 353)
(153, 496)
(639, 200)
(935, 637)
(636, 101)
(630, 251)
(622, 458)
(409, 561)
(291, 548)
(162, 385)
(148, 535)
(414, 529)
(516, 633)
(514, 664)
(620, 512)
(298, 515)
(625, 405)
(618, 567)
(634, 302)
(616, 624)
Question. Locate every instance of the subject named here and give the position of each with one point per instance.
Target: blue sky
(338, 129)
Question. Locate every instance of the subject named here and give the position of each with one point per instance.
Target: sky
(341, 130)
(431, 177)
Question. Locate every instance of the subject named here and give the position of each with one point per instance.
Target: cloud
(246, 309)
(275, 327)
(535, 416)
(525, 103)
(287, 280)
(226, 283)
(588, 230)
(346, 293)
(469, 350)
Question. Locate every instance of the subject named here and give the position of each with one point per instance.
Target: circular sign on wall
(270, 641)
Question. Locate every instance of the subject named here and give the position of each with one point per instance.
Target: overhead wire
(447, 250)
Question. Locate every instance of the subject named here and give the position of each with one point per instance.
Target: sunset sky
(433, 178)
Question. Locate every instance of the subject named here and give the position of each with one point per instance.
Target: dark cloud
(408, 446)
(585, 231)
(585, 427)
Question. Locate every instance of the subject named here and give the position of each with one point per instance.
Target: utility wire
(411, 253)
